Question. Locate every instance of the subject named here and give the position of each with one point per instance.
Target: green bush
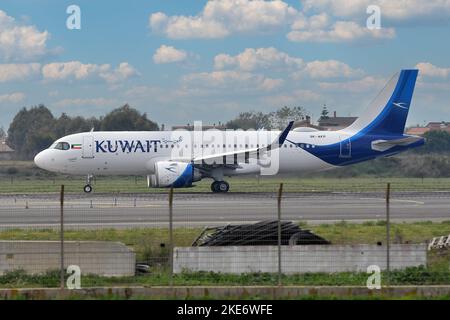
(12, 170)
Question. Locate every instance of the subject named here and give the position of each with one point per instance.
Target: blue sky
(181, 61)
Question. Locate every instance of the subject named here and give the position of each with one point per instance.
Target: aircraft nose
(39, 160)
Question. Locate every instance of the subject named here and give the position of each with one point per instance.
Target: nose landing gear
(220, 186)
(88, 187)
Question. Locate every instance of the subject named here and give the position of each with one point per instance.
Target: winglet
(283, 135)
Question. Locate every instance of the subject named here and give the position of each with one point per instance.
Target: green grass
(29, 179)
(23, 184)
(372, 232)
(409, 276)
(148, 240)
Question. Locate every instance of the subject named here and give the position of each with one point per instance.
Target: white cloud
(365, 84)
(16, 72)
(95, 102)
(168, 54)
(180, 27)
(123, 72)
(273, 60)
(345, 21)
(71, 70)
(262, 58)
(15, 97)
(75, 70)
(269, 84)
(219, 19)
(427, 69)
(393, 10)
(296, 97)
(239, 81)
(331, 69)
(339, 31)
(21, 42)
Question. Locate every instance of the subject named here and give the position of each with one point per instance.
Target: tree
(65, 125)
(324, 113)
(127, 119)
(250, 120)
(27, 130)
(436, 142)
(2, 133)
(280, 118)
(35, 129)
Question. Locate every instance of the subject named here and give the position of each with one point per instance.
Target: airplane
(179, 158)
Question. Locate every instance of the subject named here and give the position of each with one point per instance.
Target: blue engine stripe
(185, 179)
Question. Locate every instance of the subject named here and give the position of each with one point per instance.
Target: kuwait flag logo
(76, 146)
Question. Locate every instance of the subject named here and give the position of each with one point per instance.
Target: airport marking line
(395, 200)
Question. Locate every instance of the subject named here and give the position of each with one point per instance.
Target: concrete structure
(93, 257)
(297, 259)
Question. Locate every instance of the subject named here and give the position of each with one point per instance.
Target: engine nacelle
(173, 174)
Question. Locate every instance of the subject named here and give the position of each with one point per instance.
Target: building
(431, 126)
(6, 153)
(335, 123)
(417, 131)
(305, 123)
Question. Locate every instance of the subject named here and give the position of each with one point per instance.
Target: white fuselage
(135, 153)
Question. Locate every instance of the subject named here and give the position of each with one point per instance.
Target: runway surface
(194, 210)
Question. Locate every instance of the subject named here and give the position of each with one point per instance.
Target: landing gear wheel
(87, 188)
(223, 186)
(214, 186)
(220, 186)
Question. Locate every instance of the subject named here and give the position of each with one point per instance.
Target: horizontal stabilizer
(383, 145)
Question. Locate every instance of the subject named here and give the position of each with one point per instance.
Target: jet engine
(173, 174)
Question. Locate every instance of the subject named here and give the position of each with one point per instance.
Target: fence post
(62, 237)
(171, 236)
(388, 233)
(280, 194)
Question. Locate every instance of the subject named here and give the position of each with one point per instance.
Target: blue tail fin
(387, 113)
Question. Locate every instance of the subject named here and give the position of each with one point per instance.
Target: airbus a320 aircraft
(179, 158)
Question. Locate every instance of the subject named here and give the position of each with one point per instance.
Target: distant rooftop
(335, 122)
(4, 147)
(431, 126)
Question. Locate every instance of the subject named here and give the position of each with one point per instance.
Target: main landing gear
(88, 187)
(220, 186)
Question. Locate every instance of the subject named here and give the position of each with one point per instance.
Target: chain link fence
(357, 232)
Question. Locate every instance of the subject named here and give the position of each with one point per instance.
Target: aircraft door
(345, 150)
(88, 147)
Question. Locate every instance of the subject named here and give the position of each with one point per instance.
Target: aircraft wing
(250, 152)
(383, 145)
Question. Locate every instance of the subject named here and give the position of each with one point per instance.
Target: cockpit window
(62, 146)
